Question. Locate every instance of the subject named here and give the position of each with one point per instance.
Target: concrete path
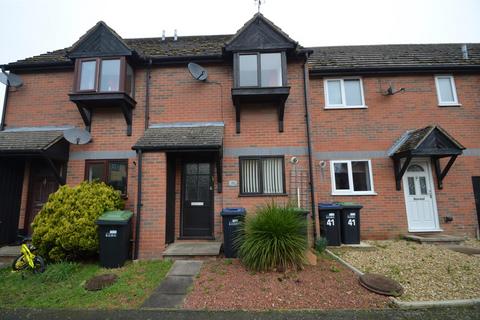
(174, 288)
(455, 313)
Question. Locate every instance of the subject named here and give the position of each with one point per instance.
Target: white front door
(420, 198)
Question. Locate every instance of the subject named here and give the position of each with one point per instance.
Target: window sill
(449, 105)
(345, 107)
(355, 194)
(264, 195)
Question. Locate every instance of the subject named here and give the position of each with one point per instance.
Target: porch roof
(428, 141)
(13, 141)
(182, 137)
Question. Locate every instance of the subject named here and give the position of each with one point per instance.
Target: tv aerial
(11, 79)
(77, 136)
(198, 72)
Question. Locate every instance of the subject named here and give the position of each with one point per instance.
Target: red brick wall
(379, 126)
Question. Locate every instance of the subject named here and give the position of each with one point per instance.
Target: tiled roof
(181, 137)
(150, 47)
(412, 140)
(28, 141)
(323, 58)
(388, 56)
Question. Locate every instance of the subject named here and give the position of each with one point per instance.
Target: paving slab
(174, 288)
(10, 251)
(193, 249)
(164, 301)
(185, 268)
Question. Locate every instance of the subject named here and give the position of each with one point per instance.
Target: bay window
(104, 75)
(261, 69)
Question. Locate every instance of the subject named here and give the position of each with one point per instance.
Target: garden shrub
(273, 239)
(65, 228)
(321, 244)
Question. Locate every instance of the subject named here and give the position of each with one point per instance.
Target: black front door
(11, 182)
(197, 200)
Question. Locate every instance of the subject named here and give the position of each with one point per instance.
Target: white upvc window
(351, 177)
(446, 91)
(344, 93)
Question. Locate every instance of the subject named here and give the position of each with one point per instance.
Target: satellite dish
(197, 72)
(77, 136)
(11, 79)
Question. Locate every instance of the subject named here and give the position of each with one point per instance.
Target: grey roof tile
(181, 138)
(22, 141)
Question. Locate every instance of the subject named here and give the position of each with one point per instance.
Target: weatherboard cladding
(181, 138)
(20, 141)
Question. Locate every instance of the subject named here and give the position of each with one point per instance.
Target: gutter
(316, 231)
(147, 94)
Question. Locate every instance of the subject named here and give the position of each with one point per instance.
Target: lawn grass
(61, 286)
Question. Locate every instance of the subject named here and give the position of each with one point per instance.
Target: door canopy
(432, 142)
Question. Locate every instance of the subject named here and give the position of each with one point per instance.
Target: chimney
(163, 35)
(175, 37)
(465, 51)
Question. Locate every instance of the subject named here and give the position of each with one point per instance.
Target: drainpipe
(140, 159)
(147, 94)
(139, 204)
(309, 142)
(4, 112)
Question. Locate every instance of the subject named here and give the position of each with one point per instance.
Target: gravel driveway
(427, 272)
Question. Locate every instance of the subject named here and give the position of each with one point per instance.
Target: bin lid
(350, 205)
(329, 205)
(233, 212)
(115, 217)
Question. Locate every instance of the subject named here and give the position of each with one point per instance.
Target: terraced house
(392, 127)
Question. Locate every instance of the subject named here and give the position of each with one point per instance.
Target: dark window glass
(110, 75)
(117, 176)
(203, 187)
(112, 172)
(262, 176)
(191, 188)
(411, 186)
(341, 176)
(361, 176)
(129, 85)
(271, 67)
(423, 185)
(96, 171)
(87, 75)
(248, 70)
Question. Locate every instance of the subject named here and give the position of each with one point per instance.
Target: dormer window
(104, 75)
(261, 69)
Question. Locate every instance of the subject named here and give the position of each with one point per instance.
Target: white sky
(30, 27)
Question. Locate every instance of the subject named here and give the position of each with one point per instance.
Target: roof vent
(163, 35)
(175, 37)
(465, 51)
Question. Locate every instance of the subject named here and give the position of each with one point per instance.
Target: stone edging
(412, 304)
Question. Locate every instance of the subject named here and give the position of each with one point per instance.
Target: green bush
(321, 244)
(273, 238)
(65, 228)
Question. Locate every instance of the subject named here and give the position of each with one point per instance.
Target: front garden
(62, 285)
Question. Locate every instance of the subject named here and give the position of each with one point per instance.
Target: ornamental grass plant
(274, 238)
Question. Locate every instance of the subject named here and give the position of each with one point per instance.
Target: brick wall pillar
(152, 216)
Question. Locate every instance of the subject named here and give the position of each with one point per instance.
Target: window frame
(342, 90)
(452, 86)
(98, 72)
(106, 171)
(260, 176)
(259, 68)
(351, 191)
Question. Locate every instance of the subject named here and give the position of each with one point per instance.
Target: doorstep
(193, 250)
(9, 253)
(427, 238)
